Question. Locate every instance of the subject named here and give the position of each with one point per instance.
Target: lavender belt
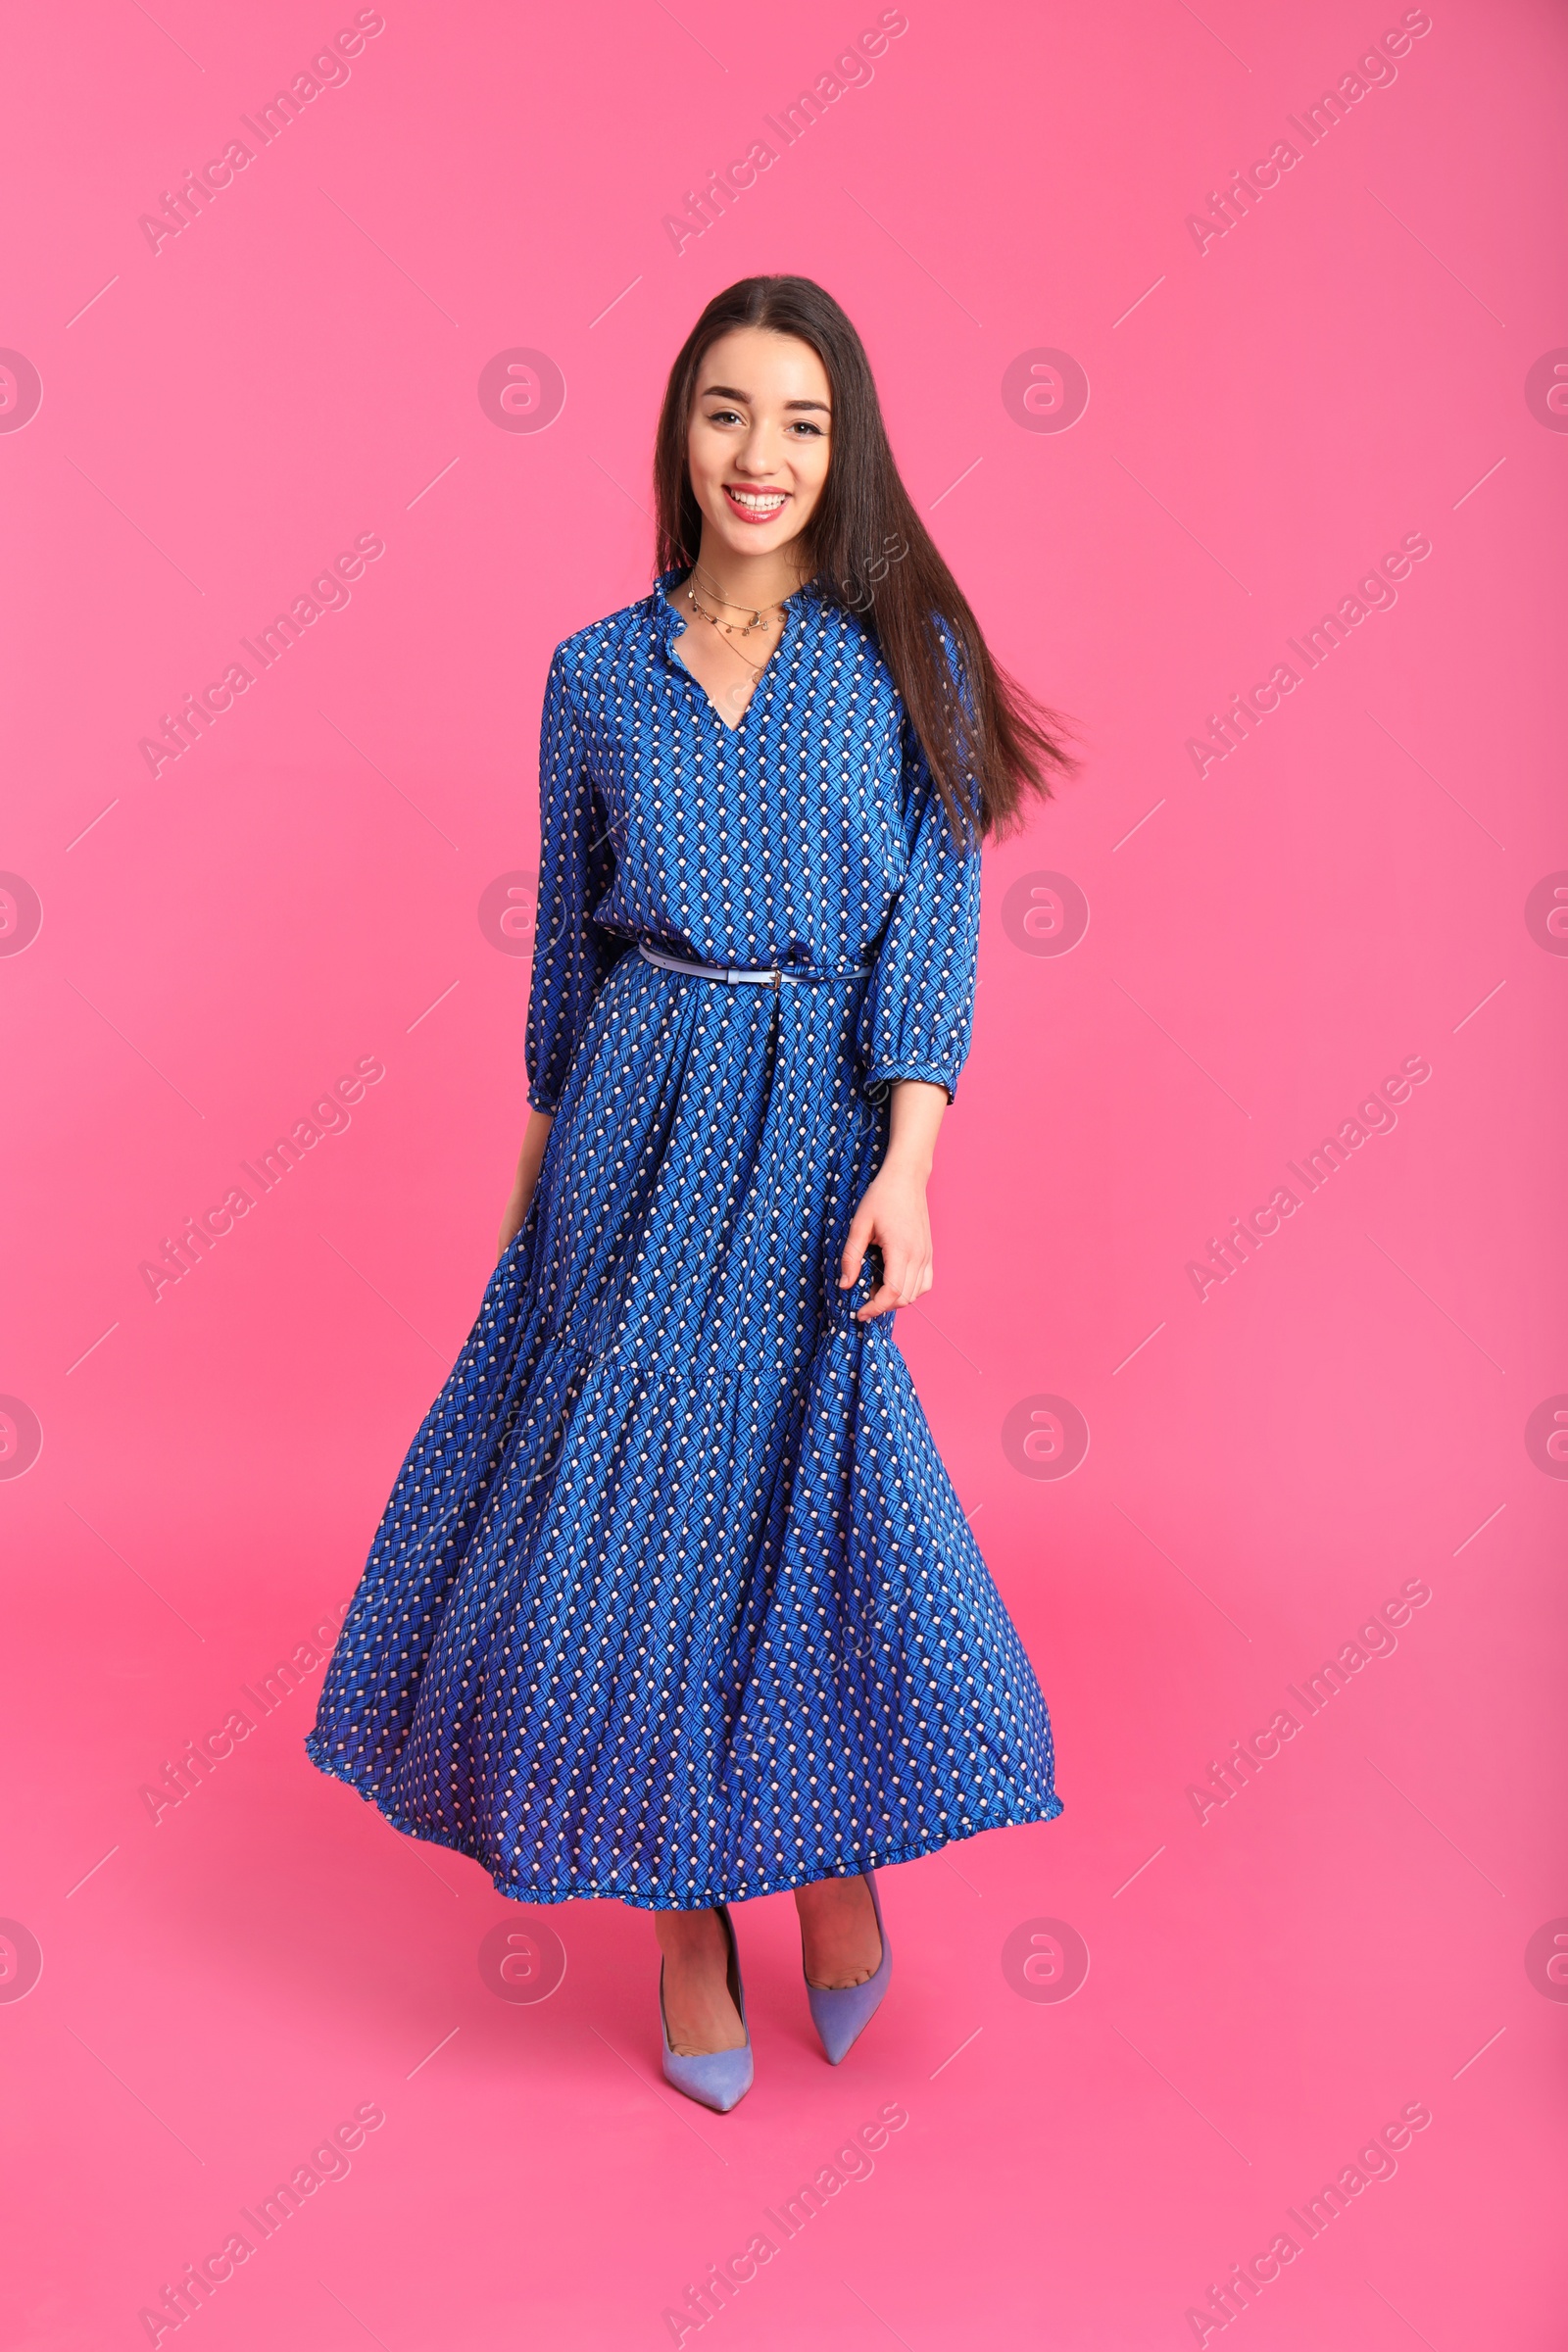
(770, 976)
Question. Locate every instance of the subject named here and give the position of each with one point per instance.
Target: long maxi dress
(673, 1600)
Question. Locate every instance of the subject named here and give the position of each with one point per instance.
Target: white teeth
(757, 499)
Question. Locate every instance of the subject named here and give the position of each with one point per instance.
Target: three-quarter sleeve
(571, 954)
(918, 1008)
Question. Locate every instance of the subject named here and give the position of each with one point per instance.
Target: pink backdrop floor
(1160, 434)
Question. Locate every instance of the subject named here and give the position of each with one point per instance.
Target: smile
(756, 506)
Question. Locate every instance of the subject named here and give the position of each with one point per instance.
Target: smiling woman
(674, 1602)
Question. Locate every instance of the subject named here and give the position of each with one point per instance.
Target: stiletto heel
(842, 2013)
(716, 2079)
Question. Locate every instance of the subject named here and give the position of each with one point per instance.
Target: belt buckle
(778, 979)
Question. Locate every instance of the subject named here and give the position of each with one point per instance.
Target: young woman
(673, 1600)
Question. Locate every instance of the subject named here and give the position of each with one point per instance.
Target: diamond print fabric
(673, 1600)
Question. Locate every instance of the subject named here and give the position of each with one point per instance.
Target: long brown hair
(990, 745)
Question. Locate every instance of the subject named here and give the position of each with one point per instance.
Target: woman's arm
(535, 1136)
(892, 1211)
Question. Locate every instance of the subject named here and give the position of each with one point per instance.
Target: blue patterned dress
(673, 1600)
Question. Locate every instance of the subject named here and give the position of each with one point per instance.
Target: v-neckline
(682, 625)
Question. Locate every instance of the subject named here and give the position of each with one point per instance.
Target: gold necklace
(729, 632)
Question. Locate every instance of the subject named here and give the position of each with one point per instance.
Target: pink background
(1351, 1932)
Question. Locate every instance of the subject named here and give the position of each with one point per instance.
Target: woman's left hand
(892, 1212)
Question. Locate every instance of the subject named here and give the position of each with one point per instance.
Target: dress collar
(670, 623)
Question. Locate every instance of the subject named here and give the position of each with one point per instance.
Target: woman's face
(759, 440)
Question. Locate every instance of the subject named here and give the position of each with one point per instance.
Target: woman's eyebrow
(728, 392)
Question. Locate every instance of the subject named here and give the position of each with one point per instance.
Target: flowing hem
(843, 1866)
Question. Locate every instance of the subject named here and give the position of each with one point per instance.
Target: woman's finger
(861, 1227)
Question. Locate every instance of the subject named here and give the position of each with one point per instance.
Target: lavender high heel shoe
(841, 2014)
(716, 2079)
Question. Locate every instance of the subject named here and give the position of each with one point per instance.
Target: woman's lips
(778, 500)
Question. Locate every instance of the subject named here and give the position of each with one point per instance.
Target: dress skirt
(673, 1600)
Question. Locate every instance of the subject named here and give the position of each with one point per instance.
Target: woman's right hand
(529, 1161)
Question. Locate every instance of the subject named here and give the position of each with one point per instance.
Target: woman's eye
(721, 415)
